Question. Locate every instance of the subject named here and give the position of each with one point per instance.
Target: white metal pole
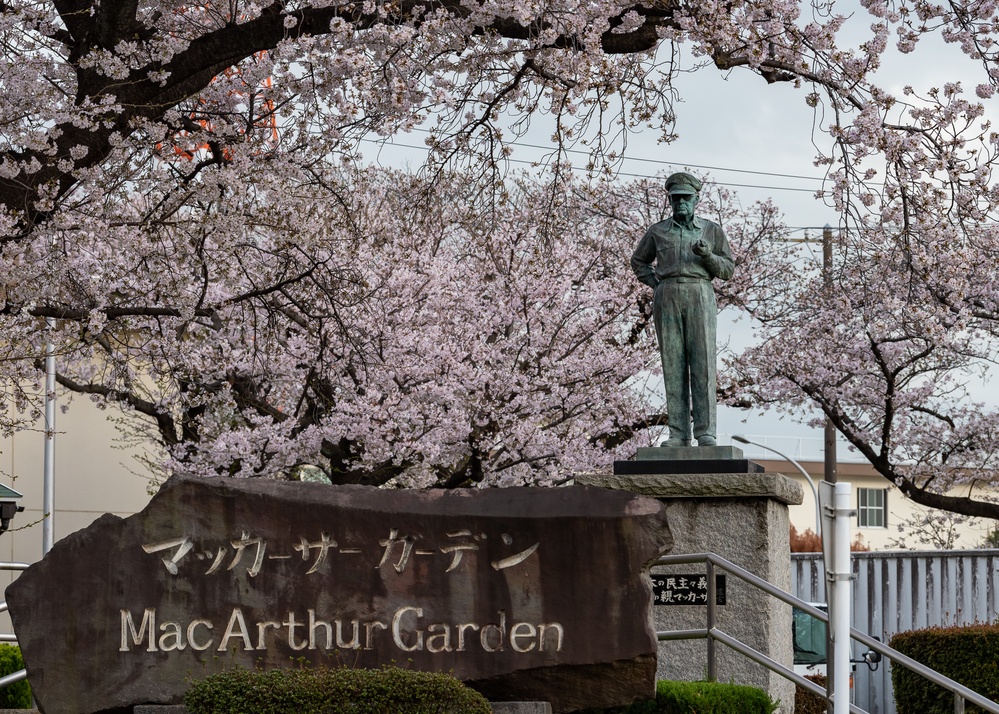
(48, 486)
(829, 431)
(839, 612)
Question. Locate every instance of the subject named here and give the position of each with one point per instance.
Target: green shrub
(968, 654)
(807, 703)
(17, 695)
(699, 698)
(324, 690)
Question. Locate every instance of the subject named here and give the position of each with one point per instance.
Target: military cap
(683, 183)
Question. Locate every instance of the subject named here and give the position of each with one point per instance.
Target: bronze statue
(678, 258)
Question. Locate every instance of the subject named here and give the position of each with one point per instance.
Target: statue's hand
(701, 248)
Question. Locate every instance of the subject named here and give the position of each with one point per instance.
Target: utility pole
(830, 430)
(833, 643)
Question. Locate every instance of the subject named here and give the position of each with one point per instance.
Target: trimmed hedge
(17, 695)
(333, 691)
(807, 703)
(968, 654)
(699, 698)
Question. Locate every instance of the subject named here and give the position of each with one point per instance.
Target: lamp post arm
(811, 483)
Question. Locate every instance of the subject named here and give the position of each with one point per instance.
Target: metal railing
(712, 634)
(11, 637)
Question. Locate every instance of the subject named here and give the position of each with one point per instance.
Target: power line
(626, 173)
(793, 229)
(661, 162)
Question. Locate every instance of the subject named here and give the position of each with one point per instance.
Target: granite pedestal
(742, 517)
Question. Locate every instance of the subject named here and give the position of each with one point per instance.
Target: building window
(872, 507)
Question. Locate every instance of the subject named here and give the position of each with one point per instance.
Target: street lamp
(8, 506)
(811, 483)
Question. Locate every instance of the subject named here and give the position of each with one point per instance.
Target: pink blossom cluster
(385, 327)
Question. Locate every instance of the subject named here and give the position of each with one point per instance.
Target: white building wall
(93, 476)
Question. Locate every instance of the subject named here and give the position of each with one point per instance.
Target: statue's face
(683, 205)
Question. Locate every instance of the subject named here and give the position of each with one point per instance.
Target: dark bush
(324, 690)
(17, 695)
(968, 655)
(699, 698)
(807, 703)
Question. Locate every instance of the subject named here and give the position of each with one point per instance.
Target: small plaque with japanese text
(686, 589)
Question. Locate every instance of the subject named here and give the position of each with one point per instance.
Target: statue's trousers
(686, 316)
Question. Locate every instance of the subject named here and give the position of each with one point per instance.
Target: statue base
(743, 518)
(688, 460)
(687, 453)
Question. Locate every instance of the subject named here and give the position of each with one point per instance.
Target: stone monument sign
(524, 593)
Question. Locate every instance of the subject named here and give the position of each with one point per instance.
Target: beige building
(885, 520)
(93, 476)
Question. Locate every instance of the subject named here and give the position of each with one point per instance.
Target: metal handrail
(961, 693)
(753, 654)
(13, 677)
(5, 637)
(14, 565)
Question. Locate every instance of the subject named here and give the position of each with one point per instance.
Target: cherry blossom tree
(178, 182)
(389, 330)
(91, 88)
(893, 346)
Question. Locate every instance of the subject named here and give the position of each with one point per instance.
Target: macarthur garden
(371, 387)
